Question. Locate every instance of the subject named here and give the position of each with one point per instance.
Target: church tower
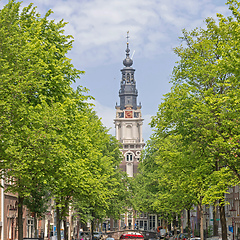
(128, 121)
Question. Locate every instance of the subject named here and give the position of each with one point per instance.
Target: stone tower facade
(128, 121)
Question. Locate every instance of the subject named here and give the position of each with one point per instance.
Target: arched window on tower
(129, 157)
(128, 78)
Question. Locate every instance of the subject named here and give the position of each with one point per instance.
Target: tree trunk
(35, 225)
(164, 223)
(20, 218)
(65, 228)
(92, 227)
(223, 219)
(78, 228)
(215, 223)
(58, 224)
(189, 223)
(175, 224)
(200, 208)
(181, 217)
(70, 232)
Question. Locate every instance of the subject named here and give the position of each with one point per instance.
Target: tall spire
(128, 92)
(127, 62)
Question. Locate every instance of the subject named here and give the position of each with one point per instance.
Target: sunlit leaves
(193, 155)
(50, 138)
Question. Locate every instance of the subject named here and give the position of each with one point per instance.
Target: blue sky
(99, 29)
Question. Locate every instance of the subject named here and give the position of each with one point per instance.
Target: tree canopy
(51, 139)
(194, 151)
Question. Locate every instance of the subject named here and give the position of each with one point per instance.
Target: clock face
(128, 114)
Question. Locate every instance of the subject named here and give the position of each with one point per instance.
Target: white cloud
(100, 25)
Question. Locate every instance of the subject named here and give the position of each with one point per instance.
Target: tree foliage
(193, 156)
(51, 140)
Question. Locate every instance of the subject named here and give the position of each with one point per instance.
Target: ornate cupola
(128, 121)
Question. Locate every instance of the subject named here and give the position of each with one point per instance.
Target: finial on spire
(127, 62)
(127, 37)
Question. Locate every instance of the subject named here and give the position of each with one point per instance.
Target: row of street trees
(52, 143)
(193, 156)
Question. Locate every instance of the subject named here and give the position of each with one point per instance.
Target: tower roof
(128, 92)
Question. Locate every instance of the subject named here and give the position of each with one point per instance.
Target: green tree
(203, 105)
(37, 203)
(89, 165)
(35, 78)
(104, 190)
(203, 110)
(168, 183)
(50, 137)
